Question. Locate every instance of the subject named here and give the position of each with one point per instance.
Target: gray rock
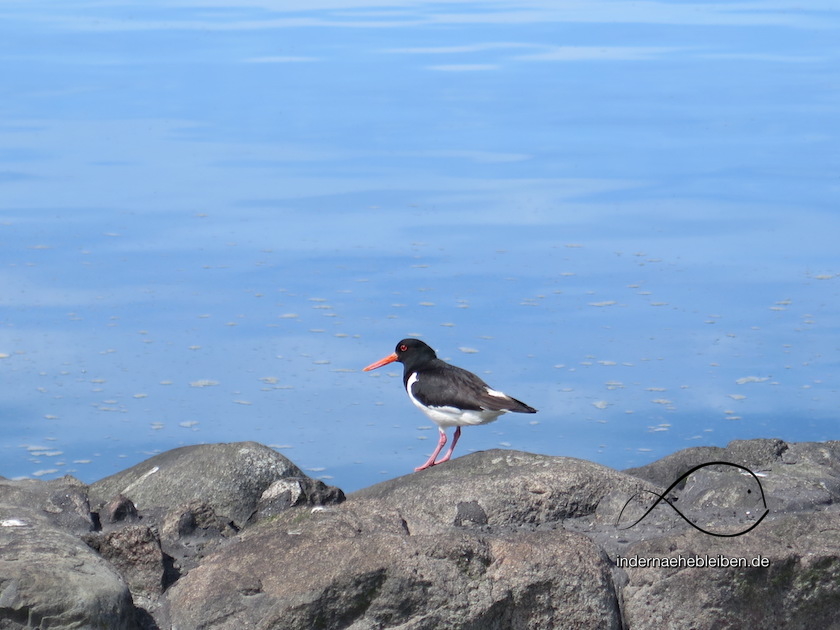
(356, 566)
(229, 477)
(191, 531)
(477, 543)
(50, 579)
(292, 492)
(794, 477)
(754, 454)
(509, 487)
(196, 520)
(63, 502)
(796, 585)
(234, 536)
(806, 478)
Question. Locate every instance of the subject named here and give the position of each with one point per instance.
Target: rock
(794, 477)
(469, 513)
(354, 566)
(229, 477)
(197, 520)
(477, 543)
(295, 491)
(806, 478)
(754, 454)
(119, 509)
(797, 542)
(50, 579)
(191, 531)
(796, 584)
(64, 502)
(136, 553)
(664, 471)
(509, 487)
(234, 536)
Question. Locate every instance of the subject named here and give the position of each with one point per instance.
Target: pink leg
(431, 461)
(455, 437)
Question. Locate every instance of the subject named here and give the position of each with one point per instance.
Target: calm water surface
(213, 214)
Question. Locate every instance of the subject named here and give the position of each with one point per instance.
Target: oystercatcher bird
(450, 396)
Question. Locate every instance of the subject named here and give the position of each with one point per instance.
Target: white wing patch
(446, 416)
(496, 393)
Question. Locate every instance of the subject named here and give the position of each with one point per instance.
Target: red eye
(403, 348)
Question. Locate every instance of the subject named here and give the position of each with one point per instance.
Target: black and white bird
(450, 396)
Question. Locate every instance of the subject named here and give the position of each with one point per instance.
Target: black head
(413, 348)
(409, 352)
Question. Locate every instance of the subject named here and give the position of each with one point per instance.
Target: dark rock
(135, 552)
(469, 513)
(191, 531)
(196, 519)
(229, 477)
(119, 509)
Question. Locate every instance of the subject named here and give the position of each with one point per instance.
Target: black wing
(450, 386)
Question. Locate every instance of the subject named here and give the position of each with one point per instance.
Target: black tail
(518, 406)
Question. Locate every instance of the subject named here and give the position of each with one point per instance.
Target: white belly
(451, 416)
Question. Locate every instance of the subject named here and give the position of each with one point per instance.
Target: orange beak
(383, 361)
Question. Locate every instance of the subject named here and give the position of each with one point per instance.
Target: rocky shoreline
(236, 536)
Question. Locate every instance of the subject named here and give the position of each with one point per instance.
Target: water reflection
(212, 216)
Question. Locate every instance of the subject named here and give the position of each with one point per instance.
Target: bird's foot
(442, 460)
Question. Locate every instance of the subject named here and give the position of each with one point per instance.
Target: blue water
(214, 214)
